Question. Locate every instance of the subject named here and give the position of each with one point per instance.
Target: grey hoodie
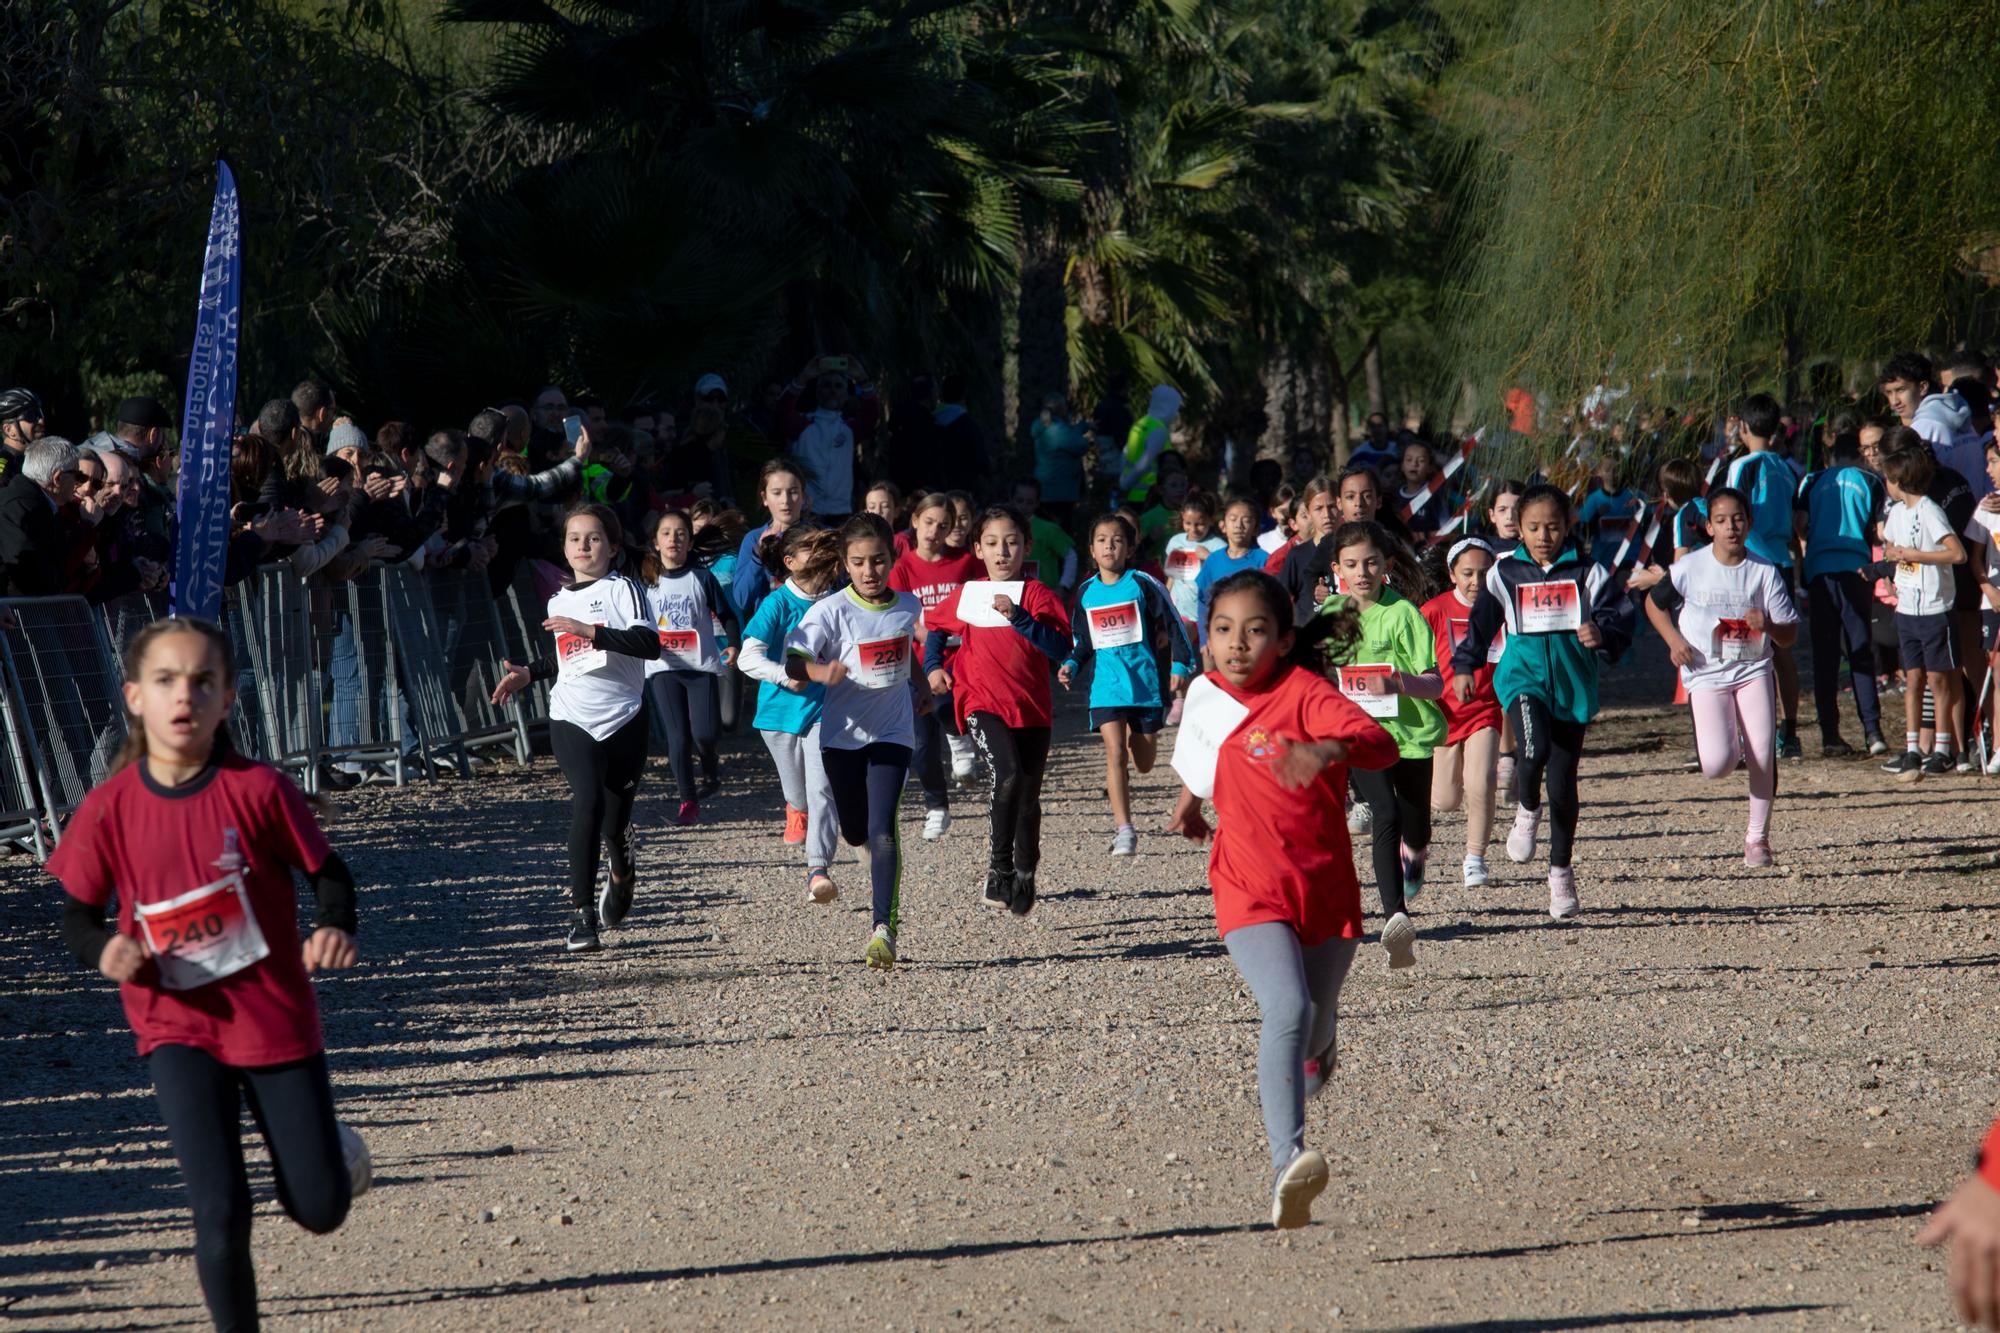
(1946, 421)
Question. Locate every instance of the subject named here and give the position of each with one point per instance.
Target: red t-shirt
(1283, 855)
(931, 581)
(151, 844)
(1449, 619)
(1277, 560)
(997, 670)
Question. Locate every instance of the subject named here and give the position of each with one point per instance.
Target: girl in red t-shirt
(931, 571)
(199, 844)
(1011, 630)
(1286, 900)
(1462, 770)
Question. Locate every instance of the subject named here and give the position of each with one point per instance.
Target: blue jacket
(1127, 676)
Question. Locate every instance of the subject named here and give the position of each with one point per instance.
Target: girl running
(781, 487)
(932, 571)
(604, 636)
(1286, 901)
(1559, 614)
(1720, 611)
(857, 644)
(1503, 533)
(1238, 552)
(884, 500)
(1115, 619)
(1462, 771)
(683, 684)
(788, 710)
(199, 845)
(1388, 651)
(718, 533)
(1010, 629)
(1184, 554)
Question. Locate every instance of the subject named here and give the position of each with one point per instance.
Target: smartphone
(573, 427)
(838, 363)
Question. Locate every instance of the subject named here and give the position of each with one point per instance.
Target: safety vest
(1135, 449)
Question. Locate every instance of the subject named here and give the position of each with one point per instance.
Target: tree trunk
(1339, 389)
(1371, 363)
(1041, 338)
(1296, 403)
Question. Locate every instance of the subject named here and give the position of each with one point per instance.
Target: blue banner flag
(210, 416)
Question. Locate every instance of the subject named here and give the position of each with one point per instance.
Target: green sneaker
(882, 949)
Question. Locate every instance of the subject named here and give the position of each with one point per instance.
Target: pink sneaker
(690, 813)
(1757, 851)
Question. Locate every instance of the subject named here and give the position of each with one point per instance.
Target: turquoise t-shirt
(778, 709)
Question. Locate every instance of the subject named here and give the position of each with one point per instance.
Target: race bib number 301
(882, 663)
(1548, 608)
(204, 935)
(1114, 626)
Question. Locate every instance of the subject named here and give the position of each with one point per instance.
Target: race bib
(1208, 716)
(1548, 608)
(1113, 626)
(882, 663)
(204, 935)
(1185, 562)
(1354, 684)
(975, 602)
(681, 648)
(1735, 641)
(576, 655)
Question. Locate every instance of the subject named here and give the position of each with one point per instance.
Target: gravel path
(1723, 1095)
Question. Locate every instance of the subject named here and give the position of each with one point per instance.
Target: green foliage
(1698, 197)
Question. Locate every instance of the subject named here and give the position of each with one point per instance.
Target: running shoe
(339, 777)
(1476, 876)
(1298, 1185)
(1521, 842)
(882, 949)
(1788, 744)
(1562, 893)
(360, 1162)
(999, 889)
(1965, 764)
(689, 813)
(820, 888)
(1938, 765)
(1126, 843)
(1319, 1071)
(1993, 764)
(1691, 764)
(1359, 821)
(1399, 937)
(1174, 710)
(935, 823)
(964, 759)
(583, 935)
(1835, 749)
(1907, 766)
(710, 785)
(1024, 893)
(795, 825)
(615, 900)
(1756, 852)
(1876, 745)
(1413, 872)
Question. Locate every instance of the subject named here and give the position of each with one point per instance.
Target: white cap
(710, 383)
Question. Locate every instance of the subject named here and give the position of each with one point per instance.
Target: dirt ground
(1720, 1097)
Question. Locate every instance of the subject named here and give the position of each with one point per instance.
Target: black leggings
(1399, 804)
(1551, 749)
(202, 1100)
(686, 704)
(603, 782)
(931, 756)
(1018, 757)
(867, 791)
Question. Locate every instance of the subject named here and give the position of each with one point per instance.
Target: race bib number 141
(1548, 608)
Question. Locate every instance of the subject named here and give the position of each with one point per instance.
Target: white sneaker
(1359, 820)
(1399, 937)
(1562, 894)
(935, 824)
(360, 1163)
(820, 888)
(1993, 764)
(1298, 1185)
(1475, 873)
(1521, 842)
(964, 759)
(1126, 842)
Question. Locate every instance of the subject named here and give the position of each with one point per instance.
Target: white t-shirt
(1272, 540)
(1921, 590)
(686, 619)
(1715, 599)
(875, 641)
(596, 690)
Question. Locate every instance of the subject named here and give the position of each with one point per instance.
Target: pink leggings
(1748, 710)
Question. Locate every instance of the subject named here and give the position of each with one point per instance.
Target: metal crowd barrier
(392, 668)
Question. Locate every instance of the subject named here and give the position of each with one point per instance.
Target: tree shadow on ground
(1774, 1215)
(1619, 1320)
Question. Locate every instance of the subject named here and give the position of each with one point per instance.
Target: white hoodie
(826, 448)
(1946, 421)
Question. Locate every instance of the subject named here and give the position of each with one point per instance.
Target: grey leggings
(1298, 992)
(802, 773)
